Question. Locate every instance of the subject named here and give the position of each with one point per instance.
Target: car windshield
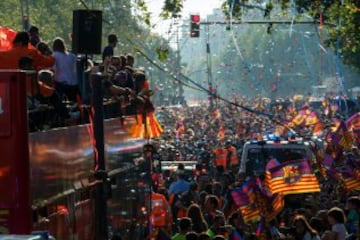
(257, 157)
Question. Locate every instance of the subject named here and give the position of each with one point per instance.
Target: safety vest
(160, 211)
(234, 159)
(220, 157)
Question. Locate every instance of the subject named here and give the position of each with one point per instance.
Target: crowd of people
(52, 81)
(199, 204)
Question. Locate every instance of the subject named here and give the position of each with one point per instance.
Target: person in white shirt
(65, 76)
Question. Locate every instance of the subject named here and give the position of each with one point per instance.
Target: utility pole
(25, 20)
(178, 66)
(209, 69)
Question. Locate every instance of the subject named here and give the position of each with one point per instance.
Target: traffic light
(194, 25)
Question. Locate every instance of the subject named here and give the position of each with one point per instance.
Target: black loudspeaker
(87, 31)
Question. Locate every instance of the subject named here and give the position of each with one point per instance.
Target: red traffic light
(195, 18)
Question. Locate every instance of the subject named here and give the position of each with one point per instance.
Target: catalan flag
(291, 177)
(150, 128)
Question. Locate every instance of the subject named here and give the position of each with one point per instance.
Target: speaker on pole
(87, 31)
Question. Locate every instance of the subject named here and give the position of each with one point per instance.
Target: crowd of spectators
(200, 204)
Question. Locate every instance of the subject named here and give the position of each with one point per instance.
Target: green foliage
(162, 53)
(345, 38)
(172, 9)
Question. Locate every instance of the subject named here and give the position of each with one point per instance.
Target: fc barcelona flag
(291, 177)
(244, 198)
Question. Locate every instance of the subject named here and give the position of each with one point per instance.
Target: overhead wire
(199, 87)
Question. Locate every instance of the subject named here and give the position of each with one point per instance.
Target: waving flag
(349, 177)
(308, 118)
(255, 202)
(353, 125)
(291, 177)
(7, 35)
(244, 198)
(339, 135)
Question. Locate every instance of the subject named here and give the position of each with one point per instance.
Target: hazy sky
(203, 7)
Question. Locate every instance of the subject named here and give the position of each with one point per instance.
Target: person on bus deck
(10, 59)
(44, 48)
(65, 76)
(34, 36)
(108, 51)
(41, 88)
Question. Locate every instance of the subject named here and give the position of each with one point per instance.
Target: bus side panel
(62, 173)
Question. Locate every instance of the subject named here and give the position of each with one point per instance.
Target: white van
(256, 153)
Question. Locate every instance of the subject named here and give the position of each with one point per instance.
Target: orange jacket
(160, 211)
(220, 157)
(10, 60)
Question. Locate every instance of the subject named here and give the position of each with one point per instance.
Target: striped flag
(350, 177)
(291, 177)
(254, 201)
(244, 198)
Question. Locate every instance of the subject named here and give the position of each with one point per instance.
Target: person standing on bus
(65, 76)
(108, 51)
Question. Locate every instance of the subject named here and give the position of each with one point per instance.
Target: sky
(203, 7)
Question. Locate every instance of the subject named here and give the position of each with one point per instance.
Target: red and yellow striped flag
(291, 177)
